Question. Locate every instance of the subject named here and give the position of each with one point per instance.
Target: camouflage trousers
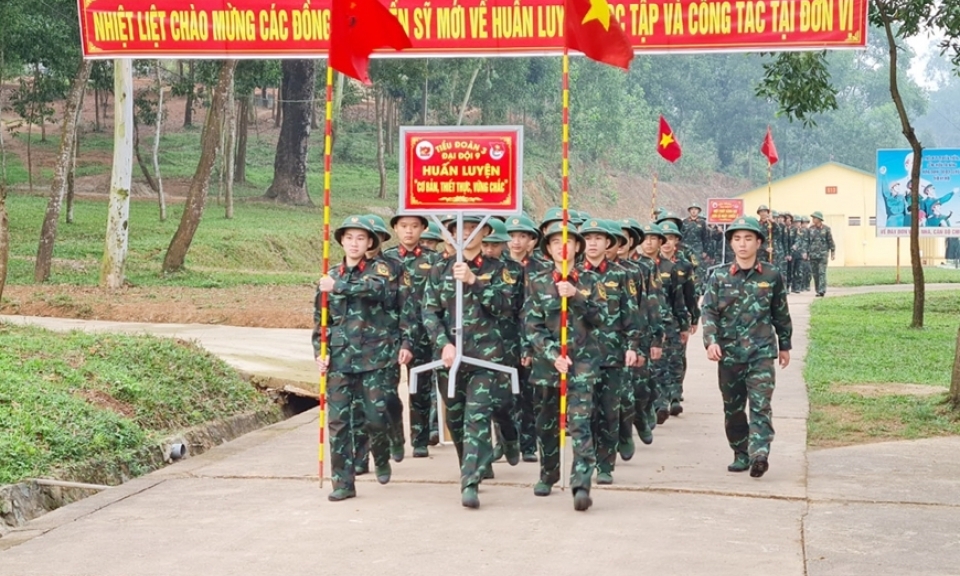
(524, 414)
(740, 385)
(608, 404)
(801, 275)
(395, 436)
(581, 381)
(370, 390)
(423, 406)
(818, 268)
(668, 371)
(635, 402)
(481, 398)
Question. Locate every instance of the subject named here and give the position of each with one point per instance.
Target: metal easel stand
(459, 243)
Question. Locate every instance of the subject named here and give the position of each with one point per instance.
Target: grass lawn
(67, 399)
(876, 275)
(871, 378)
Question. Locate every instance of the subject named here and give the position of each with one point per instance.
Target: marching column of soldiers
(632, 293)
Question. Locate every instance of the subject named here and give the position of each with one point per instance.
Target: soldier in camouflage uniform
(637, 402)
(401, 285)
(418, 263)
(687, 281)
(432, 237)
(541, 314)
(619, 340)
(696, 237)
(776, 248)
(668, 370)
(481, 395)
(746, 328)
(801, 278)
(819, 241)
(362, 348)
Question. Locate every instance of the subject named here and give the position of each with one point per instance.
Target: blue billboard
(939, 192)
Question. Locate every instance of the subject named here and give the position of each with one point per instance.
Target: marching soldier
(696, 236)
(687, 286)
(418, 263)
(481, 394)
(432, 237)
(541, 313)
(362, 353)
(619, 340)
(819, 242)
(746, 327)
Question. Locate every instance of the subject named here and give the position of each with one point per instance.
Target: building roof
(805, 172)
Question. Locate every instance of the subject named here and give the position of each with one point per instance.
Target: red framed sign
(724, 210)
(461, 169)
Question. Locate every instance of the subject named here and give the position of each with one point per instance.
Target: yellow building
(847, 198)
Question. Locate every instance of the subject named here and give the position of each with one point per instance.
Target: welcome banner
(293, 29)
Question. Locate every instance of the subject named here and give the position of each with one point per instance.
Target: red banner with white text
(301, 28)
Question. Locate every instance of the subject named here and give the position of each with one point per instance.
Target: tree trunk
(426, 91)
(337, 105)
(118, 210)
(96, 109)
(466, 97)
(954, 378)
(188, 110)
(228, 152)
(161, 199)
(71, 179)
(243, 128)
(390, 115)
(71, 116)
(4, 234)
(290, 162)
(199, 186)
(379, 103)
(919, 287)
(140, 161)
(30, 152)
(278, 103)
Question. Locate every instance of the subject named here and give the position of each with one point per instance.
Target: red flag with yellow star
(769, 149)
(357, 28)
(590, 27)
(667, 145)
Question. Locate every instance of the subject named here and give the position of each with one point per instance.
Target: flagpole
(565, 205)
(770, 206)
(324, 314)
(653, 198)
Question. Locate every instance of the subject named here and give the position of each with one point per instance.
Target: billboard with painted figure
(939, 190)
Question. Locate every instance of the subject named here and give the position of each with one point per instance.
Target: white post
(118, 211)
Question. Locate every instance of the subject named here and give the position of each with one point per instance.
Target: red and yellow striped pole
(565, 205)
(653, 199)
(327, 144)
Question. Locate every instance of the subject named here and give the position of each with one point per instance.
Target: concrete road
(254, 505)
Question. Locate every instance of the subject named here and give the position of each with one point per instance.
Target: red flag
(667, 145)
(769, 149)
(590, 27)
(357, 28)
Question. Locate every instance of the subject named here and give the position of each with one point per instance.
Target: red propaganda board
(457, 169)
(723, 210)
(301, 29)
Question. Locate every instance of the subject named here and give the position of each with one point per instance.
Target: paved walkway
(253, 506)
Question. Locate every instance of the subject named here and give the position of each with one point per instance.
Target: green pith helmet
(775, 214)
(694, 205)
(557, 228)
(653, 229)
(745, 223)
(499, 232)
(433, 232)
(452, 224)
(522, 223)
(577, 217)
(668, 227)
(597, 226)
(633, 228)
(669, 217)
(553, 214)
(818, 215)
(618, 232)
(397, 217)
(357, 222)
(762, 208)
(379, 226)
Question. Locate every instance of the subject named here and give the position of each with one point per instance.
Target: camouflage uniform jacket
(687, 280)
(675, 310)
(819, 241)
(515, 279)
(418, 265)
(530, 266)
(360, 332)
(400, 287)
(616, 292)
(484, 304)
(746, 313)
(695, 235)
(777, 238)
(648, 302)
